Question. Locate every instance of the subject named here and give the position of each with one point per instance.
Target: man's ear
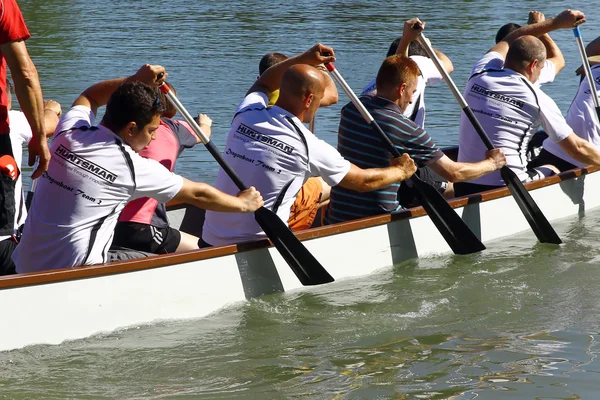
(401, 89)
(130, 128)
(308, 100)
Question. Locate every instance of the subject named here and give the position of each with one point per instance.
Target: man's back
(91, 176)
(359, 144)
(271, 150)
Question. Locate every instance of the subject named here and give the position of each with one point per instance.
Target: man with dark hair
(509, 106)
(396, 83)
(96, 170)
(143, 224)
(271, 148)
(268, 60)
(407, 45)
(555, 61)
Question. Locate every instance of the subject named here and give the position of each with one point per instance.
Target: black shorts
(406, 196)
(147, 238)
(7, 266)
(7, 193)
(545, 157)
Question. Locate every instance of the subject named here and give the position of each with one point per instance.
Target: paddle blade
(306, 267)
(456, 232)
(536, 219)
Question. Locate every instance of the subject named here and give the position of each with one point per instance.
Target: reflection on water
(519, 320)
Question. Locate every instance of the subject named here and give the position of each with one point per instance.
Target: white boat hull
(55, 306)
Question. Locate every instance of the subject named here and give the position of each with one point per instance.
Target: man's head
(302, 88)
(269, 60)
(414, 48)
(397, 80)
(133, 112)
(505, 30)
(527, 56)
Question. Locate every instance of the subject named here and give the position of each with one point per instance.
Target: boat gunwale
(165, 260)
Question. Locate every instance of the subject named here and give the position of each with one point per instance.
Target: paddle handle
(212, 149)
(588, 69)
(361, 108)
(459, 97)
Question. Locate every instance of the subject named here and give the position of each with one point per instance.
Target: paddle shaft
(212, 149)
(588, 70)
(536, 219)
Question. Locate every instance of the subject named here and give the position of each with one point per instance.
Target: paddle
(588, 69)
(536, 219)
(454, 230)
(306, 267)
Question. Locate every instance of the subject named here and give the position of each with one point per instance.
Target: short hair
(396, 70)
(505, 30)
(270, 59)
(523, 51)
(170, 109)
(414, 48)
(133, 102)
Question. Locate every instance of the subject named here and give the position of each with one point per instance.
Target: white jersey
(20, 133)
(272, 150)
(582, 118)
(429, 76)
(494, 60)
(510, 109)
(92, 175)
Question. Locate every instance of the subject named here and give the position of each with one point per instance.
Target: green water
(517, 321)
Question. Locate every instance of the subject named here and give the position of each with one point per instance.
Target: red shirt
(12, 29)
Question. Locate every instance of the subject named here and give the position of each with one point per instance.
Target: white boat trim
(53, 306)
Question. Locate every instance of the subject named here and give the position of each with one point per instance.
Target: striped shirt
(362, 146)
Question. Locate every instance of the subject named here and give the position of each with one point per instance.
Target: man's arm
(409, 34)
(29, 94)
(205, 196)
(580, 149)
(446, 62)
(566, 19)
(460, 172)
(270, 80)
(366, 180)
(97, 95)
(553, 52)
(52, 113)
(330, 97)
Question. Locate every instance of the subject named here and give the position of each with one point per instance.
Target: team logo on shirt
(264, 139)
(496, 96)
(82, 163)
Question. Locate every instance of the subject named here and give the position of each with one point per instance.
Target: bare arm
(580, 149)
(205, 196)
(566, 19)
(330, 97)
(460, 172)
(553, 52)
(52, 113)
(366, 180)
(446, 62)
(409, 34)
(29, 94)
(270, 80)
(97, 95)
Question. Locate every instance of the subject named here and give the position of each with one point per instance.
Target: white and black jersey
(510, 108)
(92, 175)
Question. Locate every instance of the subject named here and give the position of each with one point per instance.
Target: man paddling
(581, 117)
(357, 142)
(95, 171)
(510, 107)
(407, 45)
(272, 149)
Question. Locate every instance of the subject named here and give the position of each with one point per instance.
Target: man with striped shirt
(357, 142)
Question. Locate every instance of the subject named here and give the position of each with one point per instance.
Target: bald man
(502, 94)
(271, 149)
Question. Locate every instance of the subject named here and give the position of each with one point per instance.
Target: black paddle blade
(458, 235)
(536, 219)
(306, 267)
